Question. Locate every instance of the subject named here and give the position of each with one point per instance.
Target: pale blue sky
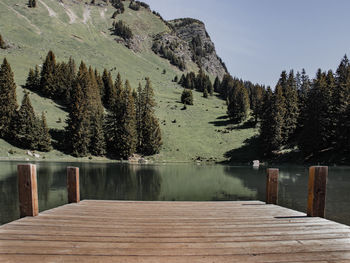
(257, 39)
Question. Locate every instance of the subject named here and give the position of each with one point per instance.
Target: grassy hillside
(83, 32)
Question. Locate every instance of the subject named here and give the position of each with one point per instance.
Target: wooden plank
(27, 190)
(272, 186)
(108, 231)
(73, 188)
(302, 257)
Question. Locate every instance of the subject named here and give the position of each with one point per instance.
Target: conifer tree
(32, 3)
(226, 86)
(182, 80)
(8, 100)
(257, 95)
(238, 103)
(187, 97)
(47, 81)
(303, 92)
(151, 140)
(291, 116)
(26, 127)
(98, 143)
(315, 135)
(345, 135)
(266, 133)
(118, 85)
(79, 119)
(277, 119)
(121, 125)
(97, 138)
(2, 43)
(77, 130)
(217, 84)
(44, 138)
(100, 83)
(139, 110)
(272, 120)
(32, 80)
(69, 79)
(205, 93)
(341, 99)
(108, 89)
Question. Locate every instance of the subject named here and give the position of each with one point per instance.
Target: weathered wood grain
(73, 188)
(27, 190)
(113, 231)
(272, 186)
(316, 204)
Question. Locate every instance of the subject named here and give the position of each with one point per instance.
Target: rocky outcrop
(188, 41)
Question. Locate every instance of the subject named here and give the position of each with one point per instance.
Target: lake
(173, 182)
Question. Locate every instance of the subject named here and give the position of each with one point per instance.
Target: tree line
(104, 117)
(19, 125)
(312, 114)
(200, 82)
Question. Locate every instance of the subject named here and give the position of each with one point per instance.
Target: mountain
(84, 31)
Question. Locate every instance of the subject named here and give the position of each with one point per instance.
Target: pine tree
(8, 100)
(272, 120)
(315, 135)
(266, 133)
(257, 95)
(303, 92)
(100, 83)
(150, 136)
(32, 81)
(341, 99)
(44, 138)
(77, 130)
(98, 143)
(226, 86)
(345, 139)
(121, 125)
(109, 92)
(205, 93)
(26, 127)
(277, 119)
(32, 3)
(97, 139)
(291, 116)
(187, 97)
(2, 43)
(47, 81)
(182, 80)
(70, 74)
(238, 103)
(217, 84)
(139, 109)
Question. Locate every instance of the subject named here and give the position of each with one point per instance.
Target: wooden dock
(172, 232)
(113, 231)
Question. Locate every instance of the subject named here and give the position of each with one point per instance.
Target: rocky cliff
(189, 41)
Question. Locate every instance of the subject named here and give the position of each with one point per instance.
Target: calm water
(173, 183)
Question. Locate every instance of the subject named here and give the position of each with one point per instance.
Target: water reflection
(172, 183)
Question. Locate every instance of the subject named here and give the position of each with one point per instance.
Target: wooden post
(27, 190)
(73, 185)
(316, 202)
(272, 186)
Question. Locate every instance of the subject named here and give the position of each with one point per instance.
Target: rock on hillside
(188, 41)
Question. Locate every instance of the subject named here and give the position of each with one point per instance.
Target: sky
(257, 39)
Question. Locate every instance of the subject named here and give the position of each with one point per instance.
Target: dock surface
(167, 232)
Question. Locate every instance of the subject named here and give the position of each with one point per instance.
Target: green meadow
(83, 32)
